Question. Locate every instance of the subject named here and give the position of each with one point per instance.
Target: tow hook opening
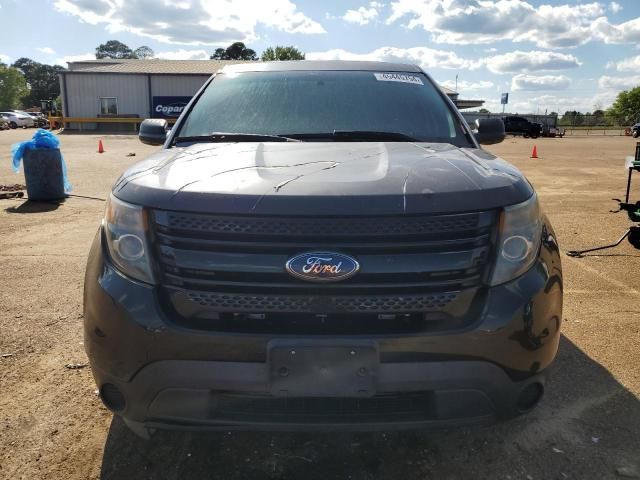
(112, 397)
(529, 397)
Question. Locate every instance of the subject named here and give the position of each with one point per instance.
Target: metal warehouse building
(131, 88)
(128, 89)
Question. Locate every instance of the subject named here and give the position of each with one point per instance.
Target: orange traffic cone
(534, 152)
(100, 147)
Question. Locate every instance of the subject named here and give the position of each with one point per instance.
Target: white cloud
(75, 58)
(619, 83)
(540, 82)
(193, 22)
(183, 54)
(626, 32)
(4, 58)
(423, 56)
(615, 7)
(363, 15)
(47, 50)
(487, 21)
(464, 86)
(532, 61)
(631, 64)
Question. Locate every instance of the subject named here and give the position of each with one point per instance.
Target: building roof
(447, 91)
(301, 65)
(462, 104)
(203, 67)
(208, 67)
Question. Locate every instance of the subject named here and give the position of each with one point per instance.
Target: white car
(18, 120)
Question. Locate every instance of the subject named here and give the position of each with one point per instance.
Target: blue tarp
(41, 139)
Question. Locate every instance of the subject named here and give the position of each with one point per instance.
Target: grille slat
(188, 241)
(293, 286)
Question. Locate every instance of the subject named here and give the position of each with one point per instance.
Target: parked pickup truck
(548, 131)
(321, 245)
(521, 126)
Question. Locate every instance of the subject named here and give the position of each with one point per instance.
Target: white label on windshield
(398, 77)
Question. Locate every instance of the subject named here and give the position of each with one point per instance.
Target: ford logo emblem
(322, 266)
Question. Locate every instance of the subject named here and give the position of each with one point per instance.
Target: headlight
(519, 240)
(124, 228)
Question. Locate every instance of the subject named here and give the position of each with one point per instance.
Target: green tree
(626, 109)
(42, 80)
(143, 52)
(114, 49)
(483, 110)
(235, 51)
(13, 87)
(572, 118)
(281, 53)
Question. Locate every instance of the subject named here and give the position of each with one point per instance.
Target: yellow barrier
(55, 122)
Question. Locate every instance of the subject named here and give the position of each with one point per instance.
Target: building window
(108, 106)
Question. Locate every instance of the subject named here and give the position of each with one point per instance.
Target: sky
(552, 55)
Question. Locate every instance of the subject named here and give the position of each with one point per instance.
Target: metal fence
(576, 123)
(573, 123)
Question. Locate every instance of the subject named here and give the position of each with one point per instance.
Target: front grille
(213, 264)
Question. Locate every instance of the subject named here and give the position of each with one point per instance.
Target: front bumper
(169, 376)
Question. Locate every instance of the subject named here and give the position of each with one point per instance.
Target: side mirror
(153, 131)
(489, 131)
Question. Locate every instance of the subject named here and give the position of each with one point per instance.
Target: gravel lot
(52, 425)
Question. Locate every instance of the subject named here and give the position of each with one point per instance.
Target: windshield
(299, 103)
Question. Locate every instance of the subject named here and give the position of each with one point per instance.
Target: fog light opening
(112, 397)
(529, 397)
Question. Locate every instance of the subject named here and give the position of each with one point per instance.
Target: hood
(323, 178)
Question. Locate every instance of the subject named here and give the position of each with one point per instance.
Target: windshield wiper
(355, 135)
(234, 137)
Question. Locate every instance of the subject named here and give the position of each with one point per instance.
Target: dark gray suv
(321, 245)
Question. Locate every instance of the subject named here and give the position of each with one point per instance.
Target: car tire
(635, 133)
(534, 136)
(13, 125)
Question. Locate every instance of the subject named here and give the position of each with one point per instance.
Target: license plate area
(323, 370)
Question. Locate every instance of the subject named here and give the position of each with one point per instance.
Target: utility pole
(456, 83)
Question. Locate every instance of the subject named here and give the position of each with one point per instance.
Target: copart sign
(169, 107)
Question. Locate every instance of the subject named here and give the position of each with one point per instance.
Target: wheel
(534, 136)
(13, 125)
(525, 135)
(635, 133)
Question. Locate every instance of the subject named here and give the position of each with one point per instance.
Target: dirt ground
(52, 424)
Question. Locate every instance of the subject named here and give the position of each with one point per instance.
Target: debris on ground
(6, 355)
(12, 188)
(627, 472)
(11, 191)
(131, 154)
(76, 366)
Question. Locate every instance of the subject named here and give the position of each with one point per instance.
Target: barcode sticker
(398, 77)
